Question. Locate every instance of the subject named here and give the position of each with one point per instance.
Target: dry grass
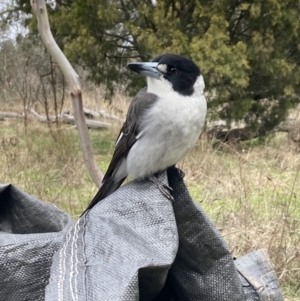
(250, 192)
(252, 195)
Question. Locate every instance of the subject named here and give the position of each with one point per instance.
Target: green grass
(50, 166)
(250, 191)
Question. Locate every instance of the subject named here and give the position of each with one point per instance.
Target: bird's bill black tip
(146, 69)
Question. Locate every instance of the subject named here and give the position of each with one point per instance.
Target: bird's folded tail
(108, 187)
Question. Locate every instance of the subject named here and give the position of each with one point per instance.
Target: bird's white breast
(169, 131)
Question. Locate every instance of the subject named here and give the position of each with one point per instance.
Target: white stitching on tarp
(76, 263)
(270, 272)
(265, 285)
(72, 273)
(62, 267)
(84, 255)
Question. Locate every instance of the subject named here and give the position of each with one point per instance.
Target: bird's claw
(164, 189)
(181, 173)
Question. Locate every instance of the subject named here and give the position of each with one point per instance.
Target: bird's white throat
(161, 87)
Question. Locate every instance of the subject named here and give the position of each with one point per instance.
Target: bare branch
(72, 79)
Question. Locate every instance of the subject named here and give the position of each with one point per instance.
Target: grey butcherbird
(163, 122)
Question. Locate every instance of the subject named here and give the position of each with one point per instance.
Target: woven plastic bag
(30, 233)
(134, 245)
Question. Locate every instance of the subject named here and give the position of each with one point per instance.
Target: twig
(72, 79)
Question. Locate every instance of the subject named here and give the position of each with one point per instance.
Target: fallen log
(64, 118)
(91, 124)
(231, 136)
(220, 132)
(15, 115)
(100, 114)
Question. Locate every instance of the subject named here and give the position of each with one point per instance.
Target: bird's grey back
(141, 103)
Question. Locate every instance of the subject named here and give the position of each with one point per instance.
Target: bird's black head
(181, 72)
(178, 70)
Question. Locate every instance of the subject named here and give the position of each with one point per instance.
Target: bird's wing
(130, 129)
(126, 139)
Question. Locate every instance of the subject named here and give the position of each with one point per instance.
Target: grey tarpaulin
(30, 232)
(134, 245)
(258, 276)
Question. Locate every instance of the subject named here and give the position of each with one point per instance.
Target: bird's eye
(173, 70)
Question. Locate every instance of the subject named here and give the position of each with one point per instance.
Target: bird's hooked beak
(146, 69)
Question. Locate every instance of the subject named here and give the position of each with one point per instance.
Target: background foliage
(29, 75)
(248, 51)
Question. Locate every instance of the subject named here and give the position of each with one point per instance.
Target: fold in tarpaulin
(134, 245)
(30, 233)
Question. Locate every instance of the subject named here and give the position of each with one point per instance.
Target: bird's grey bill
(146, 69)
